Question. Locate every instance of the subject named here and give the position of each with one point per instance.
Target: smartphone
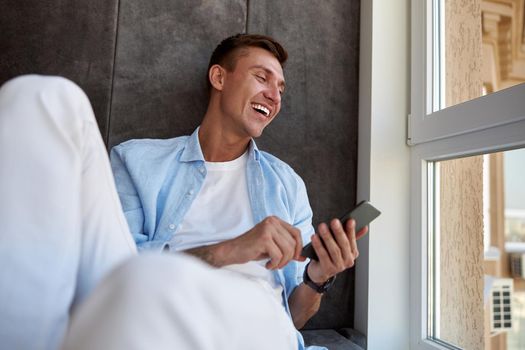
(363, 214)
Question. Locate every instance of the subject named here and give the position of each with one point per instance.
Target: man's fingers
(350, 230)
(336, 248)
(329, 249)
(341, 239)
(296, 234)
(292, 232)
(286, 245)
(293, 236)
(331, 245)
(274, 254)
(279, 235)
(320, 250)
(362, 232)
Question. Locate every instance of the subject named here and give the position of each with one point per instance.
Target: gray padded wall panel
(71, 38)
(316, 131)
(163, 48)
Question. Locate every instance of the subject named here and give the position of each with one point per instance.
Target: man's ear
(216, 75)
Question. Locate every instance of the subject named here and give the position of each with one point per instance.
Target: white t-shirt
(222, 211)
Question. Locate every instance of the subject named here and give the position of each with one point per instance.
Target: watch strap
(319, 288)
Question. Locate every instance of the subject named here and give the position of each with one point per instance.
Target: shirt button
(190, 192)
(201, 170)
(172, 227)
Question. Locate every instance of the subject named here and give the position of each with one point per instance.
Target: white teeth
(261, 108)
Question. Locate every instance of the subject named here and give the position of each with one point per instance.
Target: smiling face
(250, 94)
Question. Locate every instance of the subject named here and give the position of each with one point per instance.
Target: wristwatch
(319, 288)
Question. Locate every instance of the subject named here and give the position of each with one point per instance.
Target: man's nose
(273, 93)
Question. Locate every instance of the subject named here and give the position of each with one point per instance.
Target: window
(457, 115)
(432, 71)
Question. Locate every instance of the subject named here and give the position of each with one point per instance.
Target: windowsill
(492, 254)
(515, 247)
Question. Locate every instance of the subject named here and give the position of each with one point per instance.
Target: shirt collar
(254, 151)
(193, 152)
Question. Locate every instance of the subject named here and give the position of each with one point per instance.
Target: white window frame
(491, 123)
(426, 122)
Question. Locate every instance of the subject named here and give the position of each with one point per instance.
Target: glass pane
(481, 48)
(514, 187)
(477, 251)
(458, 252)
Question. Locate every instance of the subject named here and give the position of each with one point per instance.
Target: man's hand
(272, 238)
(338, 252)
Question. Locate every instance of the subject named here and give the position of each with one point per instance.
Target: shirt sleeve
(302, 219)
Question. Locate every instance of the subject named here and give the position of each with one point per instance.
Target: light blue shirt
(157, 180)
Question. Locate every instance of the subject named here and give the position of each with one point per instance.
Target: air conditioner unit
(517, 265)
(501, 305)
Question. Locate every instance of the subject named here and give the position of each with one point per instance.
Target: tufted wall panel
(143, 65)
(163, 48)
(316, 131)
(71, 38)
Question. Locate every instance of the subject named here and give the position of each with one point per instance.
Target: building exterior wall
(461, 253)
(461, 195)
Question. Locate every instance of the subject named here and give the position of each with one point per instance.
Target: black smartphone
(363, 214)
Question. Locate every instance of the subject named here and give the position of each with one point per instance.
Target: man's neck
(219, 145)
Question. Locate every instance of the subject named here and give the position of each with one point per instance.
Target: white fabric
(174, 301)
(62, 230)
(222, 211)
(61, 223)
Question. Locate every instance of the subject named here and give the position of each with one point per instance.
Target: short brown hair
(224, 52)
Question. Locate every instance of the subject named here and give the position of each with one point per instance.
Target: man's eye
(261, 78)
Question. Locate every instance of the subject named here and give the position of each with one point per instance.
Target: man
(216, 196)
(68, 274)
